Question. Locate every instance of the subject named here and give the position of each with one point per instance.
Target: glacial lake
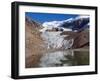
(64, 58)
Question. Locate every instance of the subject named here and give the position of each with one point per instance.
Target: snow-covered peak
(68, 20)
(56, 24)
(52, 24)
(67, 25)
(81, 17)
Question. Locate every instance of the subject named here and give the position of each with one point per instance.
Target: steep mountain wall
(33, 43)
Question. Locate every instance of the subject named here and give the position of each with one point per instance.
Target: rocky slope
(33, 43)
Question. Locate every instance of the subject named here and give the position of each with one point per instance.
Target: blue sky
(45, 17)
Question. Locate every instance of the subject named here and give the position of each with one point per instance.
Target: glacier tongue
(54, 40)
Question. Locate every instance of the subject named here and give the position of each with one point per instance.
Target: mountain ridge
(72, 24)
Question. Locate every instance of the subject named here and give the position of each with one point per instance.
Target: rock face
(82, 39)
(33, 43)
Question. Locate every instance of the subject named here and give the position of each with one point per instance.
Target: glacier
(54, 40)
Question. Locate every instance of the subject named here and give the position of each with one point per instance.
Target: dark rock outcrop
(76, 24)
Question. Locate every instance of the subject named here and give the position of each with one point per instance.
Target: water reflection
(64, 58)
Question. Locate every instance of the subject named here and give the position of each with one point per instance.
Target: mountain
(77, 23)
(52, 32)
(56, 24)
(32, 23)
(72, 24)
